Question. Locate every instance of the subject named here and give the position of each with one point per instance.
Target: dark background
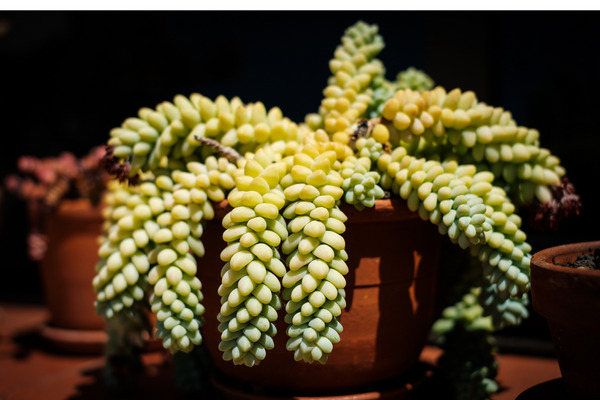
(67, 78)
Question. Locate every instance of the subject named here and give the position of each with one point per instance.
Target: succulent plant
(457, 162)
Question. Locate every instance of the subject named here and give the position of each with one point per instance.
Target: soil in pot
(589, 261)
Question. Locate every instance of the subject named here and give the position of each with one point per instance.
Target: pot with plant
(229, 214)
(63, 202)
(565, 285)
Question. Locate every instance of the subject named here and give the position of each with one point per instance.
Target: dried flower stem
(225, 151)
(362, 128)
(119, 170)
(565, 202)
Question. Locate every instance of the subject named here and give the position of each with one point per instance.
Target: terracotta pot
(570, 301)
(393, 259)
(67, 271)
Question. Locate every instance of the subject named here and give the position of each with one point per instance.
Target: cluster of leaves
(457, 162)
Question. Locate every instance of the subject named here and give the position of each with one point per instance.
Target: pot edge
(545, 259)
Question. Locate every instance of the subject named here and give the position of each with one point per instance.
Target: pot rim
(394, 209)
(80, 208)
(545, 259)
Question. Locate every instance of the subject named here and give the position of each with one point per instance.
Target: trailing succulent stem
(250, 278)
(455, 126)
(458, 163)
(314, 284)
(467, 367)
(176, 292)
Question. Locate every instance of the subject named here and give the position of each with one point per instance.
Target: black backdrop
(67, 78)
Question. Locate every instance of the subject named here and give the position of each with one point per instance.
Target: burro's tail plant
(459, 163)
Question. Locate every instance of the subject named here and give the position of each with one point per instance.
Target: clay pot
(393, 259)
(67, 271)
(570, 301)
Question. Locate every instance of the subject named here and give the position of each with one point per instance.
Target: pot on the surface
(569, 299)
(393, 259)
(67, 271)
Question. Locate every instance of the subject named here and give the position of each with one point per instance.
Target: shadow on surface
(550, 390)
(154, 382)
(28, 341)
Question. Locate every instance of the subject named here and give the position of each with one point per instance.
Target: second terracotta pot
(67, 271)
(569, 299)
(393, 259)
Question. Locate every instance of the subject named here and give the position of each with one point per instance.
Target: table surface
(30, 369)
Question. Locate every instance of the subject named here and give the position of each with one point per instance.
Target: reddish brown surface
(393, 257)
(31, 370)
(568, 298)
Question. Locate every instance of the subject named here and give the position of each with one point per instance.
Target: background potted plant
(63, 203)
(565, 282)
(453, 160)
